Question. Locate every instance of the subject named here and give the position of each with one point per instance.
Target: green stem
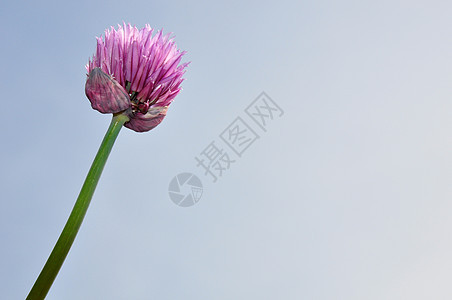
(64, 243)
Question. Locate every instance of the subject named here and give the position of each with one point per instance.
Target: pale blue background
(347, 196)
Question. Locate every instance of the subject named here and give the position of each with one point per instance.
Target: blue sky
(345, 196)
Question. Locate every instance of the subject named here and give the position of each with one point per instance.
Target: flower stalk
(67, 237)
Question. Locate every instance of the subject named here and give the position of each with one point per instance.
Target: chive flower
(135, 73)
(135, 76)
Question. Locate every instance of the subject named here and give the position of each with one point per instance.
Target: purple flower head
(135, 73)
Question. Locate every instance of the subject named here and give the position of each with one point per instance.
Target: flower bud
(105, 93)
(144, 122)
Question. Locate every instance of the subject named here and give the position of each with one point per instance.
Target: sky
(343, 194)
